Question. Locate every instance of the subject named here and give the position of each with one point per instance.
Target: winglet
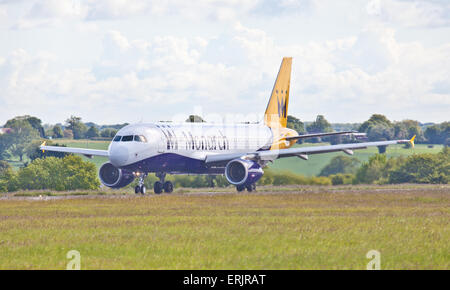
(43, 144)
(412, 141)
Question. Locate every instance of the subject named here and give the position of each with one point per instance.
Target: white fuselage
(147, 147)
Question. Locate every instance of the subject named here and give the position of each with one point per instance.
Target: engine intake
(243, 172)
(114, 177)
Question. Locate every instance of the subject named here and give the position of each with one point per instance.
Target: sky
(116, 61)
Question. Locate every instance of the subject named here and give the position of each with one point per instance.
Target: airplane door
(162, 145)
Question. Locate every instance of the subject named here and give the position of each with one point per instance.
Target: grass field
(292, 227)
(315, 163)
(311, 167)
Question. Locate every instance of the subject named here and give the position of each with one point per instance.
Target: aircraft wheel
(158, 187)
(249, 187)
(137, 189)
(240, 187)
(143, 189)
(168, 187)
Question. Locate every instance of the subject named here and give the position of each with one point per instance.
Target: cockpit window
(117, 138)
(140, 138)
(127, 138)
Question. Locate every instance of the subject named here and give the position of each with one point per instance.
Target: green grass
(315, 163)
(302, 228)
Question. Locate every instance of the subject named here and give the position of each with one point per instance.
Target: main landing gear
(160, 185)
(249, 187)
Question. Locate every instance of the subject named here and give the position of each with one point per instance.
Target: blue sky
(130, 61)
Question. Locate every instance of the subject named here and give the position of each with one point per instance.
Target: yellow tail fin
(276, 112)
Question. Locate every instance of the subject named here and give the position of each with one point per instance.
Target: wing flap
(357, 134)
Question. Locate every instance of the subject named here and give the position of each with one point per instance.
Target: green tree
(5, 142)
(373, 170)
(341, 164)
(108, 133)
(4, 166)
(320, 125)
(375, 119)
(297, 125)
(33, 121)
(92, 132)
(423, 168)
(21, 136)
(57, 131)
(438, 134)
(78, 128)
(68, 173)
(8, 179)
(195, 119)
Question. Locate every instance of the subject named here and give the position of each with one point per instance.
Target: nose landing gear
(140, 188)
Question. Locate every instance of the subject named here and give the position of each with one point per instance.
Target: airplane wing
(355, 133)
(86, 152)
(301, 152)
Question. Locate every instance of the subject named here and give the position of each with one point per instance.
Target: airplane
(238, 151)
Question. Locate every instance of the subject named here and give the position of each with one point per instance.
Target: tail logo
(282, 108)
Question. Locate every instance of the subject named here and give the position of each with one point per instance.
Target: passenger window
(127, 138)
(117, 138)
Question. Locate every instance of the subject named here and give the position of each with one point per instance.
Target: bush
(340, 164)
(320, 181)
(68, 173)
(423, 168)
(8, 180)
(340, 178)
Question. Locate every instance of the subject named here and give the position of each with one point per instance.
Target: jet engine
(243, 172)
(114, 177)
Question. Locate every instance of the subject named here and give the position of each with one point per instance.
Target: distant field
(292, 227)
(308, 168)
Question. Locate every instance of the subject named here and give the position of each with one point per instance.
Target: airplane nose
(118, 155)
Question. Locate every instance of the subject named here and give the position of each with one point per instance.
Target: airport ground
(289, 227)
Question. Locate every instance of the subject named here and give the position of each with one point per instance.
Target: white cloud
(127, 74)
(414, 13)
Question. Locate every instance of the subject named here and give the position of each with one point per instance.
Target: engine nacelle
(243, 172)
(114, 177)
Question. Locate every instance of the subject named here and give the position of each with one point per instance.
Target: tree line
(75, 129)
(378, 128)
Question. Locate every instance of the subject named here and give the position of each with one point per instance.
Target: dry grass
(276, 228)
